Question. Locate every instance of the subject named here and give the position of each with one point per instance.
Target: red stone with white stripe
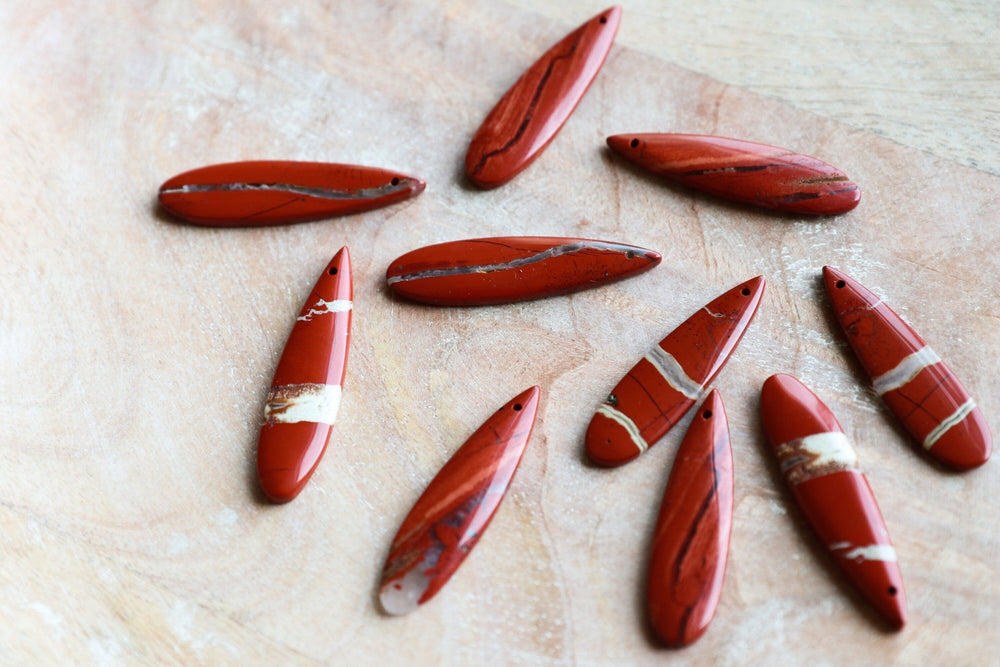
(656, 393)
(504, 269)
(915, 384)
(305, 394)
(822, 470)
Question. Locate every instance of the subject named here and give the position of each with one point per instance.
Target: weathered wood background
(135, 352)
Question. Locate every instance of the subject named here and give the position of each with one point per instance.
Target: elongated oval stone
(691, 544)
(305, 394)
(487, 271)
(743, 171)
(532, 112)
(253, 194)
(663, 386)
(821, 468)
(457, 506)
(923, 393)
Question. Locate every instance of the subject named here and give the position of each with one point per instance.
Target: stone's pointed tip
(831, 276)
(653, 257)
(527, 401)
(620, 143)
(756, 283)
(612, 14)
(714, 402)
(416, 185)
(530, 394)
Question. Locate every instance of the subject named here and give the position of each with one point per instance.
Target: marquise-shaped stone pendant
(457, 506)
(691, 544)
(743, 171)
(479, 272)
(914, 383)
(253, 194)
(664, 385)
(305, 394)
(821, 468)
(535, 108)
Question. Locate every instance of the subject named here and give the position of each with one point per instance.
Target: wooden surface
(136, 352)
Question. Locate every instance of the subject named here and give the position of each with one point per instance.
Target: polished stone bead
(821, 468)
(305, 394)
(743, 171)
(457, 506)
(914, 383)
(691, 544)
(252, 194)
(656, 393)
(487, 271)
(532, 112)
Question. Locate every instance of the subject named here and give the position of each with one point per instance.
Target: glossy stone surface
(532, 112)
(656, 393)
(822, 470)
(914, 383)
(743, 171)
(305, 394)
(487, 271)
(457, 506)
(691, 544)
(253, 194)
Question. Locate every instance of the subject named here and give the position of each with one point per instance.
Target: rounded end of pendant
(608, 443)
(790, 410)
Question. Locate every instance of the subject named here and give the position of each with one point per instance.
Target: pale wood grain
(135, 352)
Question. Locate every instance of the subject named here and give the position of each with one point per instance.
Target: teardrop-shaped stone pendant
(821, 468)
(305, 394)
(488, 271)
(914, 383)
(535, 108)
(457, 506)
(743, 171)
(691, 544)
(656, 393)
(254, 194)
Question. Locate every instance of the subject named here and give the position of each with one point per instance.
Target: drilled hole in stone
(840, 284)
(745, 291)
(707, 414)
(892, 590)
(394, 181)
(517, 407)
(333, 270)
(634, 143)
(604, 19)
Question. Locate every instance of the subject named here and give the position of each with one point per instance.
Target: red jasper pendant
(254, 194)
(821, 467)
(533, 111)
(909, 376)
(691, 544)
(666, 382)
(743, 171)
(457, 506)
(480, 272)
(305, 394)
